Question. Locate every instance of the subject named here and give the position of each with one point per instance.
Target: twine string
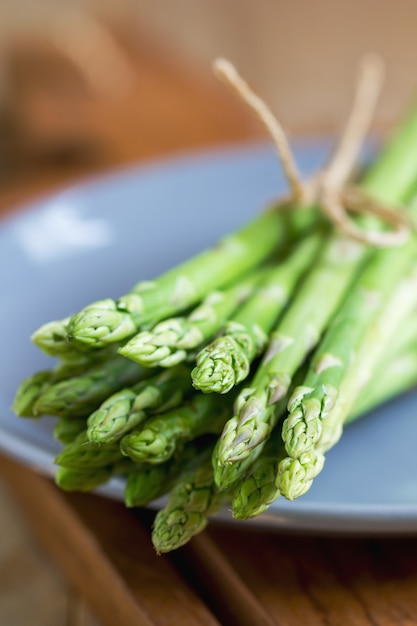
(228, 73)
(329, 188)
(368, 90)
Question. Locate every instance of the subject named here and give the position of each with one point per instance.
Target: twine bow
(329, 188)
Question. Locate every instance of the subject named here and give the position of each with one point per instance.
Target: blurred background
(92, 85)
(67, 70)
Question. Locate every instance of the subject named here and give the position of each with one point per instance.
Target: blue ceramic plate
(97, 239)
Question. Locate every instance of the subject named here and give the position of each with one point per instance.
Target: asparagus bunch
(300, 330)
(227, 378)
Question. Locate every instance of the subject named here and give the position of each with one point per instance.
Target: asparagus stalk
(77, 364)
(171, 341)
(84, 480)
(67, 429)
(395, 373)
(379, 339)
(159, 437)
(261, 486)
(193, 499)
(28, 393)
(126, 409)
(254, 478)
(318, 298)
(146, 482)
(181, 287)
(33, 387)
(369, 351)
(81, 454)
(81, 395)
(258, 489)
(404, 340)
(397, 377)
(227, 475)
(88, 479)
(52, 339)
(312, 405)
(227, 360)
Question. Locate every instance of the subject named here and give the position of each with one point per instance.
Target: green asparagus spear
(181, 287)
(405, 340)
(379, 338)
(310, 409)
(87, 479)
(293, 338)
(127, 408)
(157, 440)
(84, 480)
(69, 366)
(245, 433)
(363, 362)
(82, 454)
(397, 377)
(395, 373)
(300, 329)
(228, 476)
(147, 482)
(67, 429)
(258, 490)
(52, 339)
(80, 395)
(28, 393)
(170, 341)
(227, 360)
(193, 499)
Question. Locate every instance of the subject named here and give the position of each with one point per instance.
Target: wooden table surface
(231, 575)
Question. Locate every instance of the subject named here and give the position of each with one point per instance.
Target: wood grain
(322, 580)
(169, 109)
(234, 576)
(106, 555)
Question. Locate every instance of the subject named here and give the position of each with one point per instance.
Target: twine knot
(330, 189)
